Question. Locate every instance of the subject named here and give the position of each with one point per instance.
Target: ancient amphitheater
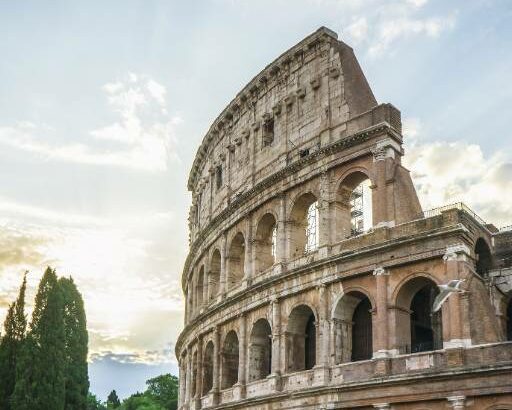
(313, 268)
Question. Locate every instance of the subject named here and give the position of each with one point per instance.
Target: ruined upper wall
(310, 96)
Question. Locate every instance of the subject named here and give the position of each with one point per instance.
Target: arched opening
(208, 368)
(483, 257)
(214, 276)
(352, 319)
(200, 287)
(418, 328)
(260, 350)
(236, 261)
(362, 338)
(509, 319)
(305, 232)
(301, 341)
(230, 360)
(354, 206)
(266, 242)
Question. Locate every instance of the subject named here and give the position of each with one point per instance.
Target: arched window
(208, 368)
(304, 225)
(301, 341)
(230, 360)
(266, 242)
(354, 206)
(420, 330)
(312, 222)
(236, 261)
(214, 275)
(361, 208)
(260, 350)
(483, 257)
(200, 287)
(362, 340)
(352, 321)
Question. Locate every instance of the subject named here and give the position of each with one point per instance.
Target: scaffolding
(357, 210)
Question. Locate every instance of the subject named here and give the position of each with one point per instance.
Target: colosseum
(313, 275)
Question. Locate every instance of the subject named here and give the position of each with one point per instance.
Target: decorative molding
(457, 402)
(457, 252)
(380, 271)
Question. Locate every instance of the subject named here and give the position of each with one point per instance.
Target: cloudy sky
(103, 104)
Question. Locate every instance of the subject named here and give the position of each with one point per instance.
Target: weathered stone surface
(290, 304)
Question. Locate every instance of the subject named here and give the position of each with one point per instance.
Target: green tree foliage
(14, 334)
(93, 403)
(40, 369)
(76, 339)
(164, 390)
(161, 394)
(113, 401)
(141, 401)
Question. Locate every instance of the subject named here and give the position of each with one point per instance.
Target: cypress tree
(40, 370)
(113, 401)
(77, 379)
(15, 327)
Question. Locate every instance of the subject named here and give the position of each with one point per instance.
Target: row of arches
(351, 334)
(297, 236)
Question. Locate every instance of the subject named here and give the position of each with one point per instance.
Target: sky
(103, 105)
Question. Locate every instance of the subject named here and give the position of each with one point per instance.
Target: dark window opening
(425, 326)
(218, 177)
(310, 343)
(268, 132)
(362, 347)
(483, 258)
(304, 152)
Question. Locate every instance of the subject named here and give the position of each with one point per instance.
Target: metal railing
(458, 205)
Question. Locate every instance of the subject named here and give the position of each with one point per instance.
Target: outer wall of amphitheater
(313, 270)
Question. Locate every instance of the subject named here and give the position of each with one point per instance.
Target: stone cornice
(319, 36)
(337, 146)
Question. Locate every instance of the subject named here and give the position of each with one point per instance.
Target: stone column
(322, 352)
(223, 266)
(248, 261)
(242, 362)
(188, 394)
(457, 402)
(325, 325)
(384, 154)
(453, 332)
(216, 365)
(381, 338)
(276, 344)
(281, 231)
(182, 380)
(324, 223)
(199, 374)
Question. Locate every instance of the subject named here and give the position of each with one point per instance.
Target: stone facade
(312, 267)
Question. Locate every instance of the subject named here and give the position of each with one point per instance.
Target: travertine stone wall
(348, 321)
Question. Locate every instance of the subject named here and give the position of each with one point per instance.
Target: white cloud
(403, 27)
(143, 137)
(417, 3)
(118, 262)
(448, 172)
(357, 30)
(378, 26)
